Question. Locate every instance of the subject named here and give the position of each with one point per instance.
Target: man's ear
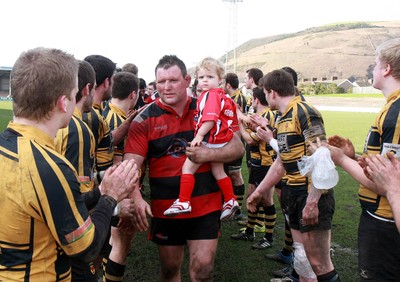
(106, 83)
(188, 79)
(388, 70)
(62, 103)
(273, 93)
(86, 90)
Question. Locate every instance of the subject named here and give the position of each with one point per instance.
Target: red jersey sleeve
(137, 141)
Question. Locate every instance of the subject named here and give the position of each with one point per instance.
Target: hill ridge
(342, 50)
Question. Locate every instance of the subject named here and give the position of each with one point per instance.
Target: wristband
(117, 210)
(98, 176)
(274, 144)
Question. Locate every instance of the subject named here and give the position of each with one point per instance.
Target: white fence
(365, 90)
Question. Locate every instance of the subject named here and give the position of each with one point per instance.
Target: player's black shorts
(175, 232)
(232, 166)
(257, 174)
(295, 206)
(378, 249)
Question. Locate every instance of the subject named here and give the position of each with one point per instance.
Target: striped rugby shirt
(383, 136)
(44, 216)
(76, 142)
(103, 139)
(239, 99)
(265, 155)
(215, 105)
(114, 117)
(161, 135)
(298, 125)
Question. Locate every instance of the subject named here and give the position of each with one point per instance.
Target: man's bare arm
(274, 175)
(232, 151)
(121, 131)
(385, 172)
(142, 208)
(246, 135)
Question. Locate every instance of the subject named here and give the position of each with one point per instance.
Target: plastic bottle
(301, 263)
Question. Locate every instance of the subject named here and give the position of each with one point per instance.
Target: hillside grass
(235, 260)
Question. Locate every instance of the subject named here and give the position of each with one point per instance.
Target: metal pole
(232, 26)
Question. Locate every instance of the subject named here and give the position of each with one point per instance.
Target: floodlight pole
(232, 31)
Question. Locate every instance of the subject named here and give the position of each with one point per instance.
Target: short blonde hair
(39, 77)
(212, 64)
(389, 53)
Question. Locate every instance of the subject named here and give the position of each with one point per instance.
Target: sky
(142, 31)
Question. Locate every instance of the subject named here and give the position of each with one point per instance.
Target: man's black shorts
(326, 208)
(234, 165)
(175, 232)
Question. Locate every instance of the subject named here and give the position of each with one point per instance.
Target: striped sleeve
(60, 203)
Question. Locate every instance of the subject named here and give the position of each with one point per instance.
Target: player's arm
(203, 130)
(232, 151)
(92, 197)
(385, 172)
(274, 175)
(81, 235)
(121, 131)
(248, 136)
(142, 208)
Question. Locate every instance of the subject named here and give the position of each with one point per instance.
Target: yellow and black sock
(239, 193)
(113, 271)
(270, 219)
(251, 222)
(260, 217)
(288, 247)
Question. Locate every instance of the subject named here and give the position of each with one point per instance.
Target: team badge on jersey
(92, 268)
(177, 148)
(283, 143)
(313, 132)
(391, 148)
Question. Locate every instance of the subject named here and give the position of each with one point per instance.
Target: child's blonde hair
(212, 64)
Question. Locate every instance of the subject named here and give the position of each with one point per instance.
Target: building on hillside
(5, 74)
(347, 85)
(343, 84)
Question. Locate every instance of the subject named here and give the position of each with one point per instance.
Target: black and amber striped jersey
(102, 136)
(383, 136)
(76, 142)
(267, 154)
(254, 150)
(249, 103)
(239, 99)
(298, 125)
(114, 117)
(44, 219)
